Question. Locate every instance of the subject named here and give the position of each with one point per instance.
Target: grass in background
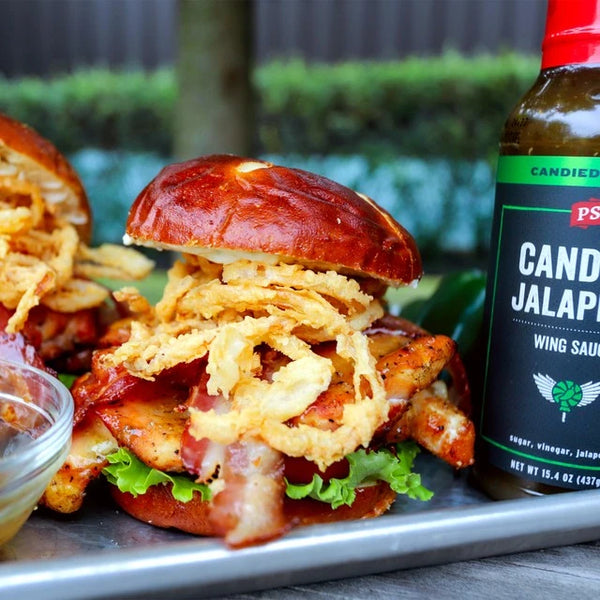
(399, 297)
(151, 287)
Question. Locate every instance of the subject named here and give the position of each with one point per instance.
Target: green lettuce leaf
(67, 379)
(367, 468)
(131, 475)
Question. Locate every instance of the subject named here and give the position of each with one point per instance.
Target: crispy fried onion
(247, 305)
(21, 205)
(111, 261)
(42, 259)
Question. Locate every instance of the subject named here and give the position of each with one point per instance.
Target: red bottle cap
(572, 33)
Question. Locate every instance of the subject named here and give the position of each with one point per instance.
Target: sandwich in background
(52, 311)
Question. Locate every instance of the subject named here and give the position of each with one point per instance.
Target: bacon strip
(250, 508)
(114, 384)
(203, 457)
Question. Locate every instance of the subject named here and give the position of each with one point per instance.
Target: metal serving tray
(103, 553)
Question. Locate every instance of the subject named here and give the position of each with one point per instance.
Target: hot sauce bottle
(540, 413)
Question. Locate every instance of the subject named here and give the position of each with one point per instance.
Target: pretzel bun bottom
(159, 508)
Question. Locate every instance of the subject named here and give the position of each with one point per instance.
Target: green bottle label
(540, 416)
(550, 170)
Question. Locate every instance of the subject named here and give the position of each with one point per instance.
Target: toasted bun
(26, 154)
(229, 206)
(158, 507)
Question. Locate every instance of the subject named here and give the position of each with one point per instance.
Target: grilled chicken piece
(151, 427)
(419, 405)
(391, 333)
(437, 424)
(416, 365)
(91, 443)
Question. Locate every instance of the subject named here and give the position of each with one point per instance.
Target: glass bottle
(539, 427)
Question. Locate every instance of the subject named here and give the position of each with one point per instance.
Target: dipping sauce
(36, 413)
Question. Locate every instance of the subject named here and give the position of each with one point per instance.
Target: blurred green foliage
(96, 108)
(446, 106)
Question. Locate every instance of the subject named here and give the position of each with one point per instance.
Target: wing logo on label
(565, 393)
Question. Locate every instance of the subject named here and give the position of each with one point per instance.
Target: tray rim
(314, 553)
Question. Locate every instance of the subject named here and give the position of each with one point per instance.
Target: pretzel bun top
(226, 207)
(26, 155)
